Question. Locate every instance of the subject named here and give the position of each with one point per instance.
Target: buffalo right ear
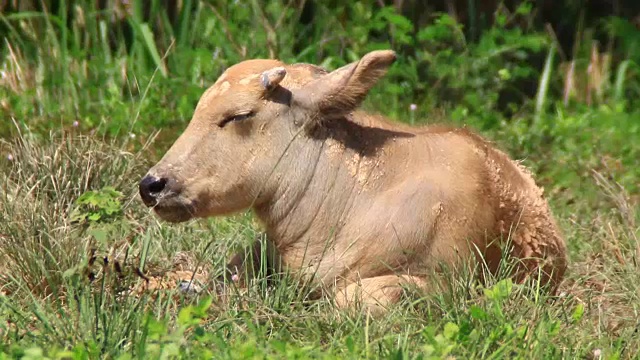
(341, 91)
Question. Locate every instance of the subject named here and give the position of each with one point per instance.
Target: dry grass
(142, 267)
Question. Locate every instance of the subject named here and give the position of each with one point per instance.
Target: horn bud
(270, 79)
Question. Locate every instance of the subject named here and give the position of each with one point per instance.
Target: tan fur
(353, 202)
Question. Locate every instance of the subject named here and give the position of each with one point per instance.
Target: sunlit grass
(83, 105)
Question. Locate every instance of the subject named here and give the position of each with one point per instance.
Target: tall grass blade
(543, 86)
(621, 77)
(150, 43)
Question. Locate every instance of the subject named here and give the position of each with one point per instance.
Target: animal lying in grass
(353, 202)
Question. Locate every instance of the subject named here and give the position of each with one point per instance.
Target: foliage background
(92, 92)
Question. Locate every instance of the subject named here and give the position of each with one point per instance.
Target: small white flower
(132, 135)
(75, 123)
(10, 157)
(413, 107)
(597, 354)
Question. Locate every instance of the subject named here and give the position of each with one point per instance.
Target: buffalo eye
(236, 117)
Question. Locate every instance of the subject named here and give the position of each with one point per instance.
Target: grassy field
(86, 271)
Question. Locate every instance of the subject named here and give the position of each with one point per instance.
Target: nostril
(157, 185)
(150, 187)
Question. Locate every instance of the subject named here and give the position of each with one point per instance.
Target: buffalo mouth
(175, 209)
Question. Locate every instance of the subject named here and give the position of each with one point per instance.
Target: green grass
(49, 303)
(76, 243)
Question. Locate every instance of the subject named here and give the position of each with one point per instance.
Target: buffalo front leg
(258, 260)
(376, 294)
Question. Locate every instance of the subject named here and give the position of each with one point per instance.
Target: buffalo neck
(322, 176)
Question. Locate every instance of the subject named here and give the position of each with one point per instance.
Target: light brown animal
(354, 202)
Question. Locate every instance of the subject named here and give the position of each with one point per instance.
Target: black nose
(150, 187)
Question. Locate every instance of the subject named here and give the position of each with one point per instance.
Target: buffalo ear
(341, 91)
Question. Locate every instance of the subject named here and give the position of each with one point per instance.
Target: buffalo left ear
(344, 89)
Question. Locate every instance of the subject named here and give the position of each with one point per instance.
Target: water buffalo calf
(355, 203)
